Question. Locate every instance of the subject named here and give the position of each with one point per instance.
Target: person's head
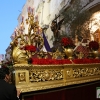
(5, 74)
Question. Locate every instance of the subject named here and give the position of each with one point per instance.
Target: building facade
(48, 10)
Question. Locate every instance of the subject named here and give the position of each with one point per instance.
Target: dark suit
(7, 91)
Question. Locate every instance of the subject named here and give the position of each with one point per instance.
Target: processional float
(29, 77)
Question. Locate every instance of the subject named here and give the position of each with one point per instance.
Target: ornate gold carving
(22, 77)
(28, 66)
(58, 55)
(18, 55)
(45, 75)
(69, 52)
(31, 88)
(69, 72)
(83, 72)
(33, 25)
(42, 54)
(39, 77)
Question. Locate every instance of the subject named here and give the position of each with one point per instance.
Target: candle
(32, 10)
(36, 18)
(15, 33)
(28, 10)
(22, 18)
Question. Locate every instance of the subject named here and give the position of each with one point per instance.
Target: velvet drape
(76, 92)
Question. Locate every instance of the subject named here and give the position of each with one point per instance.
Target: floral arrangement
(93, 45)
(30, 48)
(67, 42)
(63, 61)
(50, 61)
(85, 61)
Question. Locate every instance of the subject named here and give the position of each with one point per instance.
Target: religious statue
(54, 28)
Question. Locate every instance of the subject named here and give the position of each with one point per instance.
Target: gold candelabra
(32, 38)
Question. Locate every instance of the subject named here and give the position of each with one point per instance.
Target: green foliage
(71, 12)
(77, 19)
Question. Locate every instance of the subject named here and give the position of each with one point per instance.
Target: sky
(9, 12)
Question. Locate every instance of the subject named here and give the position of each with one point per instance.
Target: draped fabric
(83, 92)
(46, 44)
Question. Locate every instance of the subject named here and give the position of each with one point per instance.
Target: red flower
(67, 42)
(50, 61)
(30, 48)
(63, 61)
(93, 45)
(85, 61)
